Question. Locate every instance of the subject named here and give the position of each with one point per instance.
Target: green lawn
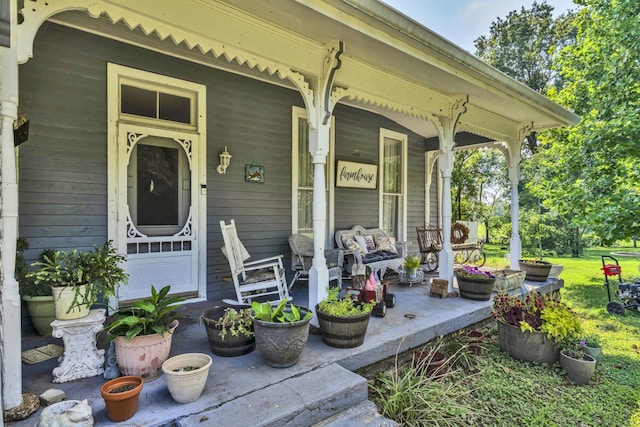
(507, 392)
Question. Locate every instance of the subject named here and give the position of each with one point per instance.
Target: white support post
(10, 328)
(515, 247)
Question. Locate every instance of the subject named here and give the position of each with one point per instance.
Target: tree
(591, 171)
(523, 46)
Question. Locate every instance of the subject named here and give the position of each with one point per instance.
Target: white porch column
(319, 114)
(10, 328)
(447, 132)
(430, 158)
(515, 247)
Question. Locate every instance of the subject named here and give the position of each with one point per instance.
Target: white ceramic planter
(555, 271)
(63, 298)
(186, 385)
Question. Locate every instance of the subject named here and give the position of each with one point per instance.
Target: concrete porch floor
(242, 391)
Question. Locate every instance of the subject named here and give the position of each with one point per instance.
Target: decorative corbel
(330, 65)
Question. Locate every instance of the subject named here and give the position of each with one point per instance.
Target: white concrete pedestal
(81, 358)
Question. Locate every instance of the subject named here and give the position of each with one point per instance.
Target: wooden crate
(439, 288)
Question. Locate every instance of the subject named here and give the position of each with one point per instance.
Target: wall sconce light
(225, 159)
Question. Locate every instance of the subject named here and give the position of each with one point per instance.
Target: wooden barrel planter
(343, 332)
(532, 347)
(230, 346)
(475, 289)
(537, 271)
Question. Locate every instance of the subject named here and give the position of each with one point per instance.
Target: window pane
(390, 214)
(140, 102)
(305, 163)
(305, 212)
(392, 166)
(157, 185)
(174, 108)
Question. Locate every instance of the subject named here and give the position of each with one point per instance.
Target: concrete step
(299, 401)
(363, 414)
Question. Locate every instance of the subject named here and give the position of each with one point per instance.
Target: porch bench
(371, 247)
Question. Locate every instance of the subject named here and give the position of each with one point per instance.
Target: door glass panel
(157, 185)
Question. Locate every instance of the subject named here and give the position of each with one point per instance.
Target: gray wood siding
(63, 166)
(360, 130)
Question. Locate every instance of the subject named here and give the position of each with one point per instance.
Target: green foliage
(235, 322)
(411, 262)
(284, 312)
(560, 323)
(99, 269)
(589, 171)
(152, 315)
(345, 307)
(26, 283)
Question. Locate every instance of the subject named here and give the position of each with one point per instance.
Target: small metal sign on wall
(356, 175)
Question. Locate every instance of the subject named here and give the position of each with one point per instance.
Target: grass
(503, 391)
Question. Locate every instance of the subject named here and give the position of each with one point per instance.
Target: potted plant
(343, 321)
(411, 265)
(186, 375)
(121, 397)
(79, 278)
(229, 330)
(281, 332)
(37, 296)
(142, 333)
(537, 271)
(474, 283)
(528, 327)
(593, 346)
(577, 363)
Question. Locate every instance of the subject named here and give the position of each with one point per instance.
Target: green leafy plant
(284, 312)
(235, 322)
(26, 283)
(344, 307)
(592, 341)
(99, 269)
(411, 262)
(560, 323)
(576, 350)
(152, 315)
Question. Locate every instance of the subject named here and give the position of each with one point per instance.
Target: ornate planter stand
(81, 358)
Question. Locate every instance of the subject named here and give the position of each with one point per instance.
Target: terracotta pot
(144, 355)
(186, 386)
(121, 406)
(474, 338)
(63, 298)
(42, 312)
(432, 364)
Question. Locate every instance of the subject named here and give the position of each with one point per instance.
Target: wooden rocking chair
(256, 279)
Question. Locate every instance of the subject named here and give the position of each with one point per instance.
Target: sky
(463, 21)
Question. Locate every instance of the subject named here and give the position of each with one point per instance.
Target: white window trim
(386, 133)
(301, 113)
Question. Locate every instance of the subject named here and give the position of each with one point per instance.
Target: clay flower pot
(475, 338)
(121, 397)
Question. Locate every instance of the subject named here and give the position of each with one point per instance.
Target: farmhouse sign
(356, 175)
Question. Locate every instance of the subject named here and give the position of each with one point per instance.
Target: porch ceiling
(394, 65)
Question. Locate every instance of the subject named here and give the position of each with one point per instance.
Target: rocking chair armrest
(266, 265)
(277, 258)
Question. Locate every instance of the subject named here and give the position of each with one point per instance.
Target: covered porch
(243, 390)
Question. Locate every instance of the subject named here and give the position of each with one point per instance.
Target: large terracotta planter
(231, 345)
(63, 298)
(144, 355)
(121, 405)
(537, 271)
(532, 347)
(343, 332)
(475, 289)
(579, 371)
(281, 343)
(42, 312)
(186, 385)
